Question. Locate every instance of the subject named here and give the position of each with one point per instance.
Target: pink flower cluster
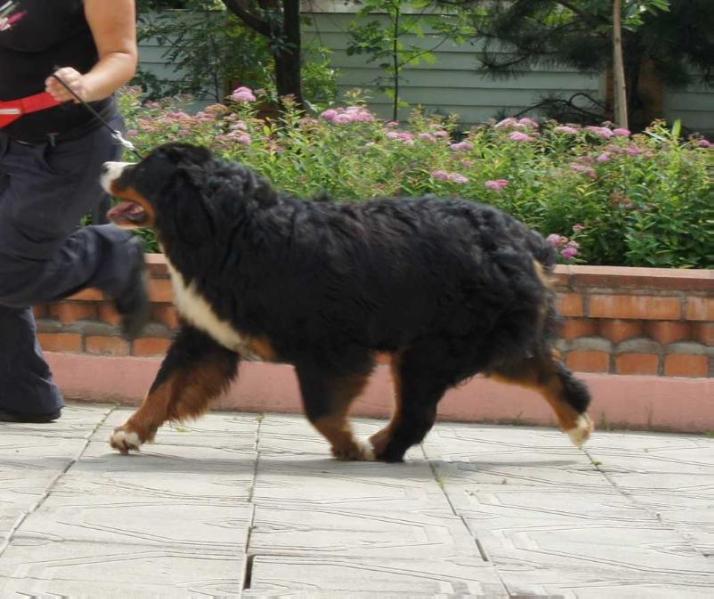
(519, 136)
(496, 184)
(350, 114)
(447, 176)
(601, 132)
(583, 169)
(567, 129)
(519, 124)
(403, 136)
(567, 247)
(462, 146)
(242, 95)
(235, 136)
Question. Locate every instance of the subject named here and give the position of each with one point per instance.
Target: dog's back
(386, 273)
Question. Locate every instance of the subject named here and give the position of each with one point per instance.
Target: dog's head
(168, 188)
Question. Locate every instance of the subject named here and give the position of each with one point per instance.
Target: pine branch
(583, 14)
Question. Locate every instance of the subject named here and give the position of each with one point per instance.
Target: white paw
(357, 451)
(367, 452)
(124, 441)
(581, 431)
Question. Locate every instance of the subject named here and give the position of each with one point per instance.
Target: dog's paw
(124, 441)
(355, 451)
(581, 431)
(380, 439)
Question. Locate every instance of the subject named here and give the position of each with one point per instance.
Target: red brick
(156, 265)
(165, 314)
(700, 308)
(61, 342)
(686, 365)
(578, 327)
(703, 332)
(637, 363)
(150, 346)
(88, 295)
(107, 346)
(588, 361)
(69, 312)
(570, 304)
(646, 307)
(667, 331)
(627, 277)
(160, 290)
(617, 330)
(108, 314)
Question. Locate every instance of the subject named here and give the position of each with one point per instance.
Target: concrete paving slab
(341, 532)
(245, 505)
(33, 566)
(323, 576)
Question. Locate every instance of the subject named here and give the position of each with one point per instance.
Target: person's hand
(73, 78)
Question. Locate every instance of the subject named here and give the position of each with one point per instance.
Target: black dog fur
(448, 287)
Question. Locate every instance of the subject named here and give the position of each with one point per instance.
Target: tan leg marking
(577, 426)
(336, 427)
(184, 396)
(380, 439)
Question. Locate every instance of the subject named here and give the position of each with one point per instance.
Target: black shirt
(39, 36)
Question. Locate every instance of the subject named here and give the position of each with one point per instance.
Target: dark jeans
(45, 190)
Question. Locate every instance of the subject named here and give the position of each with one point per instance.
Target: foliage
(213, 51)
(638, 200)
(673, 36)
(210, 49)
(384, 39)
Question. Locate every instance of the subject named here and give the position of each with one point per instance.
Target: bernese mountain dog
(449, 288)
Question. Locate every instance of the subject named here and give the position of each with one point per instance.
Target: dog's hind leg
(568, 396)
(327, 397)
(418, 388)
(195, 370)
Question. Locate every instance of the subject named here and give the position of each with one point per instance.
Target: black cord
(116, 134)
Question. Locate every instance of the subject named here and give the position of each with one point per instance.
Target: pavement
(251, 505)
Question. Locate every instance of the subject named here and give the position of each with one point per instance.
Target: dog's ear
(193, 217)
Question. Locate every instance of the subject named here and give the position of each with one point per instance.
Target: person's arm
(113, 25)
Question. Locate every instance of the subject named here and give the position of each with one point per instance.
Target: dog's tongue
(127, 211)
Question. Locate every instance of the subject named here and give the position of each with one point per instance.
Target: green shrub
(605, 196)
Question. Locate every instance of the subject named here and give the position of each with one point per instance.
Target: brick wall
(637, 320)
(617, 320)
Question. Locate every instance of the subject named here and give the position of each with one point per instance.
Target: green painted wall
(455, 85)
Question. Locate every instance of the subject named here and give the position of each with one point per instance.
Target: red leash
(11, 110)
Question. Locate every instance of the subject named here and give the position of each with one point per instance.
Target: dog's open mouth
(128, 214)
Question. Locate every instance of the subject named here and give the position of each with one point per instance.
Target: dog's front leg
(196, 370)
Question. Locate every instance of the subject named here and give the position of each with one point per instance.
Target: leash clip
(116, 135)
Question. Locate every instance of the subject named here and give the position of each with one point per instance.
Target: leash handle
(116, 134)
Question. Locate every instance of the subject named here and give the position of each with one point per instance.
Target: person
(50, 161)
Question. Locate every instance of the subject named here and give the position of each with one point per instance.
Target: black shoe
(134, 306)
(7, 416)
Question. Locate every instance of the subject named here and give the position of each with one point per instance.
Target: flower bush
(600, 195)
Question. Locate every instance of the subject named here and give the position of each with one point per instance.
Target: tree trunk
(618, 67)
(283, 38)
(287, 54)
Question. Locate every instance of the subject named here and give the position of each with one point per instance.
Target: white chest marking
(197, 311)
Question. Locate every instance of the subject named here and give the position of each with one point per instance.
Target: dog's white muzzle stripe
(111, 171)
